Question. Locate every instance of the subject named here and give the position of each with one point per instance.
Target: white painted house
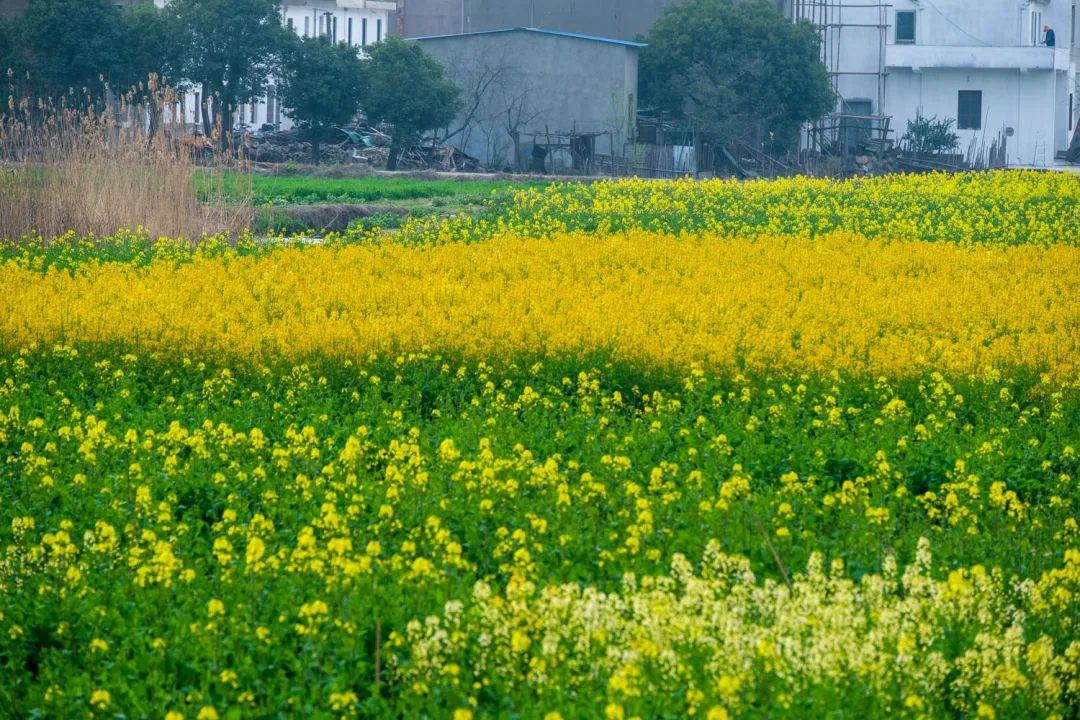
(984, 63)
(355, 22)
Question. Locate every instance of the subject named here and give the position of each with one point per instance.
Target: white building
(356, 22)
(983, 63)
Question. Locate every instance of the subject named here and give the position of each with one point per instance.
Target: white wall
(1005, 23)
(1031, 103)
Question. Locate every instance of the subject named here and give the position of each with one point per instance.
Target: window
(1036, 26)
(349, 30)
(307, 26)
(905, 26)
(378, 30)
(363, 31)
(322, 25)
(289, 24)
(333, 22)
(254, 111)
(969, 110)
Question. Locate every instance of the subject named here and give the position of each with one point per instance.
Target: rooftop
(540, 31)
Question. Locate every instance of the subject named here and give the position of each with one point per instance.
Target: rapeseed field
(628, 450)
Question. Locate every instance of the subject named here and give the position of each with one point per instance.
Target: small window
(363, 31)
(348, 30)
(307, 26)
(969, 110)
(905, 26)
(378, 30)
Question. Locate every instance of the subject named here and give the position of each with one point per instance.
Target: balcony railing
(1025, 59)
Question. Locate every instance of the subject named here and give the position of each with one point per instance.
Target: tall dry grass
(78, 166)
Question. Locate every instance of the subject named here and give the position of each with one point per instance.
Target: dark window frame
(908, 15)
(969, 114)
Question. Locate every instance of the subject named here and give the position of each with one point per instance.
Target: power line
(955, 25)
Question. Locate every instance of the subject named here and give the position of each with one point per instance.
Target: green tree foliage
(58, 46)
(737, 69)
(232, 46)
(150, 44)
(930, 135)
(321, 87)
(12, 67)
(67, 45)
(408, 89)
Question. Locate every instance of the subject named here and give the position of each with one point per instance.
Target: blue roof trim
(542, 31)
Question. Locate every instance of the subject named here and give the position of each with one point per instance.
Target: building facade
(574, 96)
(985, 64)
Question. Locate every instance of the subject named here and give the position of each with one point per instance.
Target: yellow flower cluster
(992, 208)
(835, 303)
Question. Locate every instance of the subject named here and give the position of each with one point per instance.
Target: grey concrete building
(620, 19)
(12, 8)
(572, 96)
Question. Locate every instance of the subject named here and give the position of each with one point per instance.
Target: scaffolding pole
(835, 21)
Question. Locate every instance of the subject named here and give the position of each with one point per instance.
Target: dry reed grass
(72, 166)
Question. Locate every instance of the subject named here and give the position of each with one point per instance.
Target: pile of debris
(359, 146)
(430, 156)
(365, 146)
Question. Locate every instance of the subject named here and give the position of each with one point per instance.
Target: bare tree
(520, 111)
(477, 74)
(498, 101)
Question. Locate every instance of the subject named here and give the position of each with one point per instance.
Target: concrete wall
(622, 19)
(553, 82)
(1033, 104)
(11, 8)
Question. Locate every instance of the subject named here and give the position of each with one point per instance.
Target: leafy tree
(736, 67)
(12, 66)
(407, 89)
(321, 87)
(150, 56)
(232, 47)
(69, 45)
(152, 45)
